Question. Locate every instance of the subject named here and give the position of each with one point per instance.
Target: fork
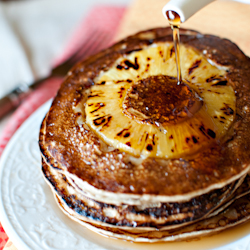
(95, 42)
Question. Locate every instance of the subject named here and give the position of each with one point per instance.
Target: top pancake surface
(77, 150)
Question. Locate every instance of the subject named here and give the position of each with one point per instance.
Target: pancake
(126, 149)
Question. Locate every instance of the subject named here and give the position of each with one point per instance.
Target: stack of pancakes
(130, 155)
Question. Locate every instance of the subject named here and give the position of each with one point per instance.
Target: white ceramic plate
(33, 221)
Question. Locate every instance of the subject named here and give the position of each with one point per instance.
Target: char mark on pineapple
(104, 120)
(126, 64)
(195, 65)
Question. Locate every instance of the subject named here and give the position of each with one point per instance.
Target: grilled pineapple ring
(135, 106)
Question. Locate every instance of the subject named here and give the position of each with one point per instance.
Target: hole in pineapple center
(159, 100)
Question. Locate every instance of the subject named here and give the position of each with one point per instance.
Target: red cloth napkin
(105, 18)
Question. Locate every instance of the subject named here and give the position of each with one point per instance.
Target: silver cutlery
(96, 41)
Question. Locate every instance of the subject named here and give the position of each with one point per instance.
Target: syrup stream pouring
(177, 12)
(175, 21)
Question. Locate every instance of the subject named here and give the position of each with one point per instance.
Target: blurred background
(40, 30)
